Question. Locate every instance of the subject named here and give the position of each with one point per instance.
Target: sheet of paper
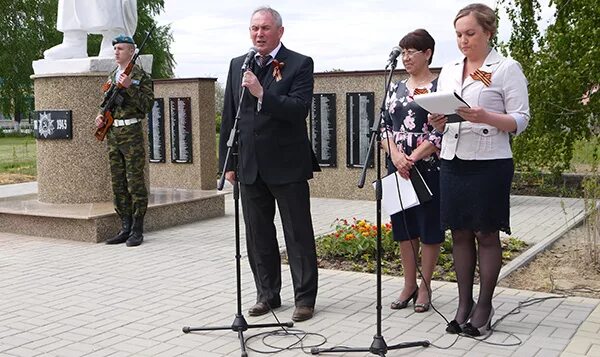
(442, 103)
(390, 202)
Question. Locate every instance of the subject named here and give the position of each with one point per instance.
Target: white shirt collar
(272, 53)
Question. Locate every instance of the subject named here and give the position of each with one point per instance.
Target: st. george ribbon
(396, 51)
(249, 57)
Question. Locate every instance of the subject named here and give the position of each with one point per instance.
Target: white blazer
(507, 94)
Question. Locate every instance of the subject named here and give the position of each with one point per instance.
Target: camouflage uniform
(126, 149)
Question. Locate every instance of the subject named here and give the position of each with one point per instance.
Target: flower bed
(353, 246)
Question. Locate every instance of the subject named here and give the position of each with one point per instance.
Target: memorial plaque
(323, 129)
(181, 130)
(156, 131)
(360, 113)
(53, 124)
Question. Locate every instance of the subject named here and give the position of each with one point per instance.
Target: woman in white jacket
(477, 166)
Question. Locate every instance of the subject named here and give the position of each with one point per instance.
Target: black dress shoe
(483, 331)
(454, 327)
(261, 308)
(303, 313)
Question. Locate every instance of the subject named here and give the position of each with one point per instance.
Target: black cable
(282, 331)
(292, 332)
(514, 311)
(299, 343)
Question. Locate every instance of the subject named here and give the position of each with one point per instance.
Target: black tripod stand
(239, 324)
(378, 347)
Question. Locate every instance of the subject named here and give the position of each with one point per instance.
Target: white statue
(77, 18)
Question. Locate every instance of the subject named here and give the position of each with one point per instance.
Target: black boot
(124, 233)
(136, 238)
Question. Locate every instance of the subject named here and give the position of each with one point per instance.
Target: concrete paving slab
(68, 298)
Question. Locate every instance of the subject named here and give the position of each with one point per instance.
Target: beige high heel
(401, 304)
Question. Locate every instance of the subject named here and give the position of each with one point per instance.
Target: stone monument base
(96, 222)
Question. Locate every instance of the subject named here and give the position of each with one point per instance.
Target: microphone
(393, 55)
(249, 57)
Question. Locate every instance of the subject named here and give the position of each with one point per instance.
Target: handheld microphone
(394, 54)
(249, 57)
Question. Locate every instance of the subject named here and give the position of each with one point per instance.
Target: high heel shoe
(401, 304)
(454, 327)
(485, 330)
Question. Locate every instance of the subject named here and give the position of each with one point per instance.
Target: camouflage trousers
(127, 155)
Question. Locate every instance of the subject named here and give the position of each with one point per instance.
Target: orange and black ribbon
(418, 91)
(485, 77)
(277, 66)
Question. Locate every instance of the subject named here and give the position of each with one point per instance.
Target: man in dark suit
(275, 162)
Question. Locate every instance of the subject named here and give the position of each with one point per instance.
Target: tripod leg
(242, 343)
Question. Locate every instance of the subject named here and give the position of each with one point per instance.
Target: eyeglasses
(409, 53)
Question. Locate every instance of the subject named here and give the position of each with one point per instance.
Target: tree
(219, 99)
(562, 66)
(28, 27)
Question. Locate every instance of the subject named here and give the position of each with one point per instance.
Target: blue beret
(123, 39)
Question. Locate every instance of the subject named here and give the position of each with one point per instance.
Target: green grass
(18, 155)
(586, 152)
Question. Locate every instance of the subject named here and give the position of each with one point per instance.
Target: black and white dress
(407, 125)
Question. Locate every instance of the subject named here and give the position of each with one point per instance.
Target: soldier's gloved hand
(100, 121)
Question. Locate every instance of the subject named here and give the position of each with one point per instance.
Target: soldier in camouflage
(126, 149)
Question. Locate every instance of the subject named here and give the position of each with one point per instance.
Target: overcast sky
(342, 34)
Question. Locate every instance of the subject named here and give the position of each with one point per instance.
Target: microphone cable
(300, 338)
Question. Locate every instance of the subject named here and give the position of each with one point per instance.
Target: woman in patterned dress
(409, 140)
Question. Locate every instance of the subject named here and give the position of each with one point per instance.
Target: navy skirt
(422, 221)
(475, 194)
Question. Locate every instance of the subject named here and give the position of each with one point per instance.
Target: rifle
(113, 96)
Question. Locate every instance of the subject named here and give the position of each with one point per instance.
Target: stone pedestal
(74, 195)
(73, 170)
(96, 222)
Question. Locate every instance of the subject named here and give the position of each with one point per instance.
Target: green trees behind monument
(28, 27)
(562, 65)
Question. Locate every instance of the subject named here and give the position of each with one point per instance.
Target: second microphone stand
(378, 346)
(239, 324)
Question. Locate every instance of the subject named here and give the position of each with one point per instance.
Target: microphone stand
(239, 324)
(378, 346)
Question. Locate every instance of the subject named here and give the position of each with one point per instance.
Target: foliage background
(28, 28)
(562, 66)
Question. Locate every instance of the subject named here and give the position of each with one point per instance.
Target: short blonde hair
(485, 16)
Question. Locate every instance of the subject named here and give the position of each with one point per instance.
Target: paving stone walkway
(67, 298)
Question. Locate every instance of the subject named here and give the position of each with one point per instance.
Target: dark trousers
(258, 205)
